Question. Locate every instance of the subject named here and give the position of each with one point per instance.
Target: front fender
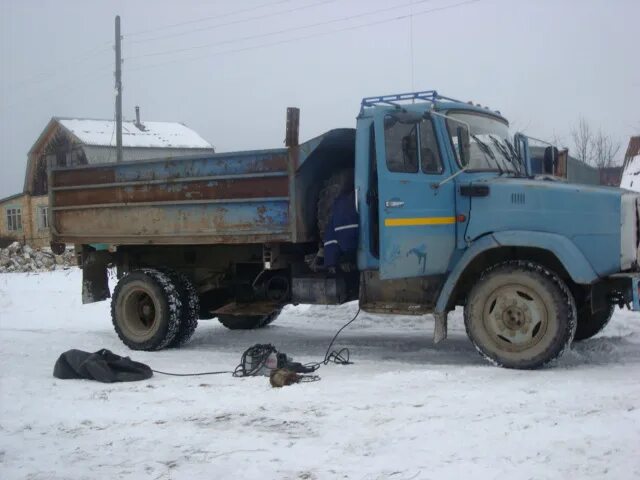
(571, 258)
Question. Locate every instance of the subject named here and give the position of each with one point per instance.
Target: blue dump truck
(448, 213)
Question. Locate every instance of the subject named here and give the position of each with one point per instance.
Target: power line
(411, 49)
(100, 72)
(305, 37)
(44, 74)
(206, 19)
(235, 22)
(92, 74)
(278, 32)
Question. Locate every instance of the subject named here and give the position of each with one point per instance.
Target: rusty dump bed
(239, 197)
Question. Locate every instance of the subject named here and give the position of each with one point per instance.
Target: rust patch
(263, 218)
(275, 163)
(83, 176)
(206, 190)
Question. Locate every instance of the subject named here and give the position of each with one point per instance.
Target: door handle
(393, 203)
(474, 190)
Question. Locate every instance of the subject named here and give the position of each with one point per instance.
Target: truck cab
(446, 198)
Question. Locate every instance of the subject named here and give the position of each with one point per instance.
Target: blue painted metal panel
(233, 198)
(588, 216)
(573, 260)
(459, 264)
(363, 182)
(241, 197)
(417, 237)
(265, 161)
(336, 140)
(231, 222)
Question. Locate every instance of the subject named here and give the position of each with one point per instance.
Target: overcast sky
(543, 63)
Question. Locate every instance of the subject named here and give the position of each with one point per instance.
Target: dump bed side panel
(223, 198)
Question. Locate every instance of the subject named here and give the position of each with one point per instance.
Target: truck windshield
(489, 144)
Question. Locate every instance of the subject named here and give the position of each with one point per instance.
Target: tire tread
(567, 305)
(174, 308)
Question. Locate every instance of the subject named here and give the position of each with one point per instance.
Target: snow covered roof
(631, 174)
(152, 135)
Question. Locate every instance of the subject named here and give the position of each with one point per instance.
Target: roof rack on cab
(398, 99)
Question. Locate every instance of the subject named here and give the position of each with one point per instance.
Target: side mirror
(550, 160)
(521, 144)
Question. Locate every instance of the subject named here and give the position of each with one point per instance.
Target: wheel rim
(515, 317)
(140, 314)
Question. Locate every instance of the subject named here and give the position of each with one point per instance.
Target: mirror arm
(435, 186)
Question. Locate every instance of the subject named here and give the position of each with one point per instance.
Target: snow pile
(22, 258)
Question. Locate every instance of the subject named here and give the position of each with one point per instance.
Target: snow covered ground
(405, 410)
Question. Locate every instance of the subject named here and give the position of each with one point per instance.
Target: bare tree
(582, 137)
(594, 148)
(559, 140)
(604, 150)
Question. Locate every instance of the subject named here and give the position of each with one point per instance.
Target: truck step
(397, 308)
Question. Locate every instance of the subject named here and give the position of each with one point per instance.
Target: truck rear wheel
(146, 310)
(590, 323)
(190, 307)
(247, 322)
(520, 315)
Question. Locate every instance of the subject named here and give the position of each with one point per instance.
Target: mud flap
(440, 328)
(95, 282)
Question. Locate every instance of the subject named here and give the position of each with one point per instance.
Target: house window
(43, 218)
(14, 219)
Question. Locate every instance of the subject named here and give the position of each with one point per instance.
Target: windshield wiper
(487, 151)
(504, 152)
(522, 169)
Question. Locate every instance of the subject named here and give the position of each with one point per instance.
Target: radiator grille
(517, 198)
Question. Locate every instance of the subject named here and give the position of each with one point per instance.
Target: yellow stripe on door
(410, 222)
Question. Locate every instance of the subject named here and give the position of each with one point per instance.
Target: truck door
(417, 217)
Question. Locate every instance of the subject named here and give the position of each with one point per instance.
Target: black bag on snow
(103, 366)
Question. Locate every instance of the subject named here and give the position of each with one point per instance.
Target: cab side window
(430, 160)
(401, 145)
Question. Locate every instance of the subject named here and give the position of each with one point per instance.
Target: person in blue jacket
(341, 234)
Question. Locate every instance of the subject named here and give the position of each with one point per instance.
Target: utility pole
(118, 92)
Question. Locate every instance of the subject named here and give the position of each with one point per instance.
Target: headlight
(630, 219)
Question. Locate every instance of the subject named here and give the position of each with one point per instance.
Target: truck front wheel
(146, 310)
(590, 323)
(520, 315)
